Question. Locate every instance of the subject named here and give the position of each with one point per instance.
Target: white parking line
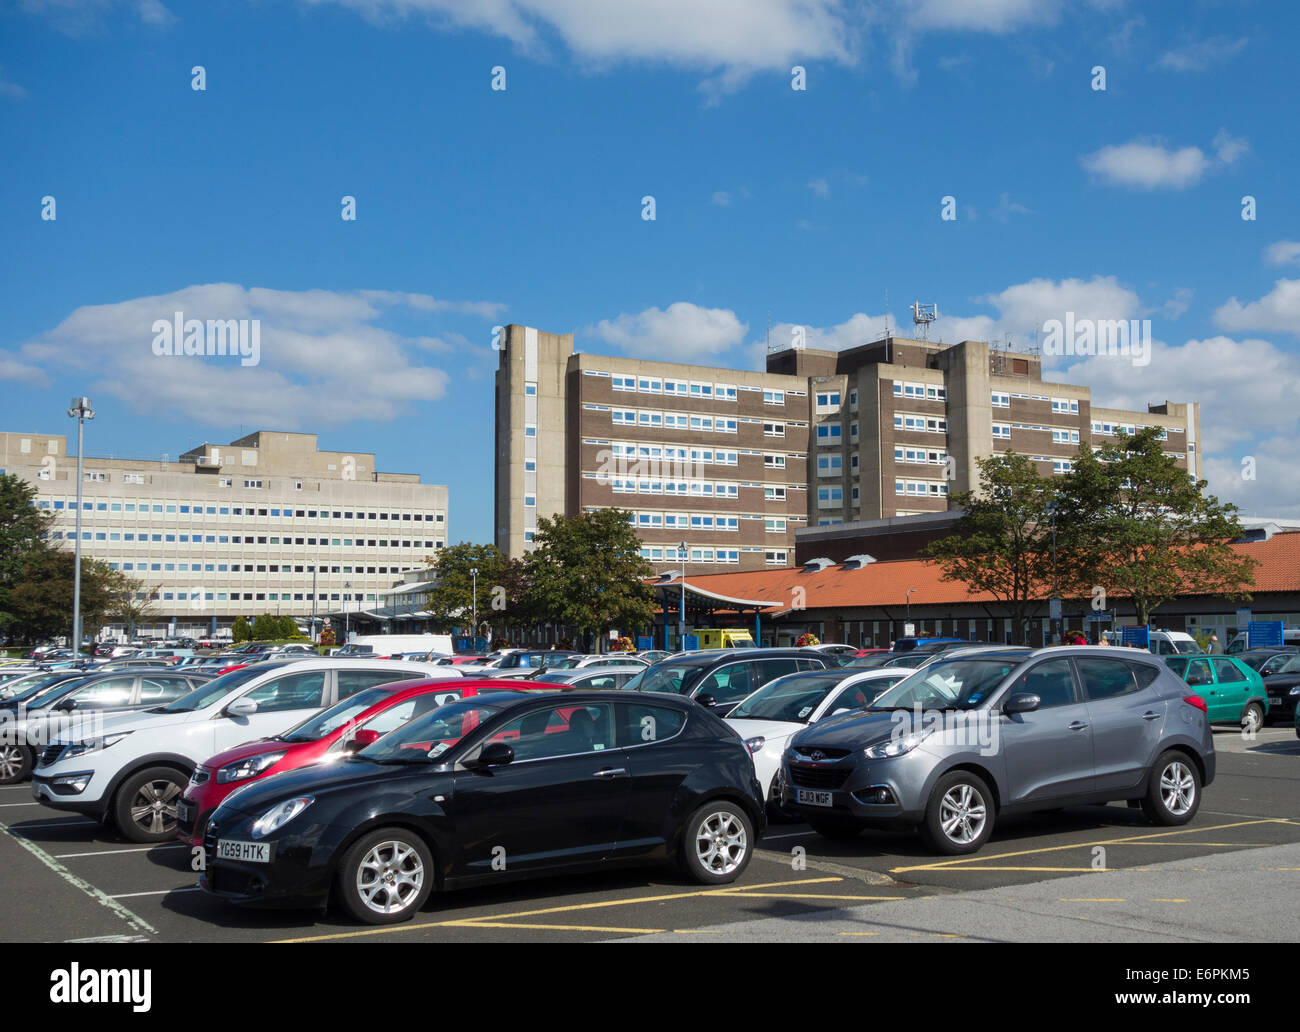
(135, 922)
(114, 852)
(163, 892)
(793, 834)
(32, 803)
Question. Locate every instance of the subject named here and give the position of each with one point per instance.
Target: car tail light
(1198, 702)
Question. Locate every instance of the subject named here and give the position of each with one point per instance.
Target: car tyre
(385, 877)
(959, 817)
(15, 763)
(717, 842)
(144, 808)
(1173, 790)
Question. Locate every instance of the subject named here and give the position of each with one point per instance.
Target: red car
(348, 725)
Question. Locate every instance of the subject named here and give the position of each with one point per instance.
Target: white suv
(133, 770)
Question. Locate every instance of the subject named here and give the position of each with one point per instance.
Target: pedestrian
(1214, 644)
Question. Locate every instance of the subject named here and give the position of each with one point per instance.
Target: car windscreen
(957, 684)
(1185, 646)
(27, 688)
(214, 690)
(318, 725)
(428, 737)
(1289, 665)
(792, 698)
(673, 677)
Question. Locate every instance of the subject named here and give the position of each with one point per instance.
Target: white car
(768, 718)
(133, 769)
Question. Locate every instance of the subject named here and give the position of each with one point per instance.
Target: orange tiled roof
(887, 583)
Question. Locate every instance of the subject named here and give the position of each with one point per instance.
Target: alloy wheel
(11, 761)
(721, 842)
(390, 877)
(154, 806)
(1177, 788)
(962, 813)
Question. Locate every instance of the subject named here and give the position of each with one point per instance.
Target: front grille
(823, 753)
(52, 753)
(818, 777)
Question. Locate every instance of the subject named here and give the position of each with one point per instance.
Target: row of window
(926, 424)
(253, 596)
(676, 388)
(929, 456)
(684, 521)
(927, 488)
(1129, 429)
(920, 391)
(196, 510)
(130, 567)
(235, 539)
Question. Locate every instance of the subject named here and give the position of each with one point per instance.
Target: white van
(1290, 636)
(1173, 643)
(393, 644)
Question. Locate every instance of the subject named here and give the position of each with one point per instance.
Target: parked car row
(372, 783)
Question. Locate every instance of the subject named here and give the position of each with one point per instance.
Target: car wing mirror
(363, 738)
(495, 754)
(706, 700)
(1022, 702)
(241, 708)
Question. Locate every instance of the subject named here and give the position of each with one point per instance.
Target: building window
(1001, 399)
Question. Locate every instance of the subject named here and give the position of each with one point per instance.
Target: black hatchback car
(493, 787)
(720, 678)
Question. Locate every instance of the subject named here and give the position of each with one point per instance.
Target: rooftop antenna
(886, 311)
(922, 317)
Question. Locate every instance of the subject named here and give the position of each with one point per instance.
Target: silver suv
(966, 740)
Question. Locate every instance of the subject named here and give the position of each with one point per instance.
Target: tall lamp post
(347, 588)
(473, 626)
(908, 619)
(80, 411)
(682, 551)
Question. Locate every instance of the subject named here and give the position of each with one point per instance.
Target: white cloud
(819, 186)
(1178, 304)
(721, 198)
(1260, 480)
(1024, 307)
(1006, 207)
(1228, 147)
(735, 38)
(325, 359)
(10, 89)
(992, 16)
(1147, 165)
(12, 368)
(1284, 252)
(1278, 310)
(1198, 55)
(79, 17)
(682, 332)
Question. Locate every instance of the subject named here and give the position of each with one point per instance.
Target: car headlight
(247, 768)
(754, 744)
(89, 745)
(278, 816)
(897, 746)
(1295, 690)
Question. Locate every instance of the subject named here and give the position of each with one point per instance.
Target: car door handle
(610, 772)
(1078, 725)
(1148, 715)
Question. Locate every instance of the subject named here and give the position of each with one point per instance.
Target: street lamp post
(1053, 619)
(80, 411)
(473, 626)
(347, 588)
(681, 617)
(908, 619)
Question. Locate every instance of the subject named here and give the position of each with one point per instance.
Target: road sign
(1139, 636)
(1054, 608)
(690, 643)
(1262, 634)
(644, 643)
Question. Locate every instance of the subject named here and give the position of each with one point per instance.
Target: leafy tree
(452, 597)
(240, 631)
(129, 610)
(265, 627)
(1147, 531)
(40, 601)
(586, 571)
(286, 627)
(1002, 545)
(21, 527)
(513, 606)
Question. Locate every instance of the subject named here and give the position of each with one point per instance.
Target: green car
(1233, 692)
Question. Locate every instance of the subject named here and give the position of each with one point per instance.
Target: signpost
(1139, 636)
(1262, 634)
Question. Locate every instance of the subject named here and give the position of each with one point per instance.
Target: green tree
(586, 571)
(286, 627)
(451, 598)
(127, 607)
(1002, 545)
(40, 601)
(21, 527)
(265, 627)
(1151, 532)
(240, 631)
(513, 605)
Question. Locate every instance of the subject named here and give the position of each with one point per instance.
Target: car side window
(394, 716)
(352, 681)
(114, 691)
(599, 683)
(641, 724)
(770, 669)
(1227, 671)
(1145, 673)
(560, 730)
(1051, 680)
(729, 683)
(1198, 672)
(1106, 678)
(295, 691)
(156, 688)
(856, 696)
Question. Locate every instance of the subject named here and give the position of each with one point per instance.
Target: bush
(240, 631)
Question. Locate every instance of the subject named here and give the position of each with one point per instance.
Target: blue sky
(478, 207)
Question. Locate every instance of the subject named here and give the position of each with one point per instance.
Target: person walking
(1215, 647)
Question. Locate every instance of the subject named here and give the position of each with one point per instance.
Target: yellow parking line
(1158, 900)
(559, 927)
(949, 865)
(1065, 899)
(573, 908)
(806, 895)
(857, 933)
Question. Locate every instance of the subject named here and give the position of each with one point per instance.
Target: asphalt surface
(1091, 873)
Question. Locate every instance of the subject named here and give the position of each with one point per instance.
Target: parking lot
(1101, 869)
